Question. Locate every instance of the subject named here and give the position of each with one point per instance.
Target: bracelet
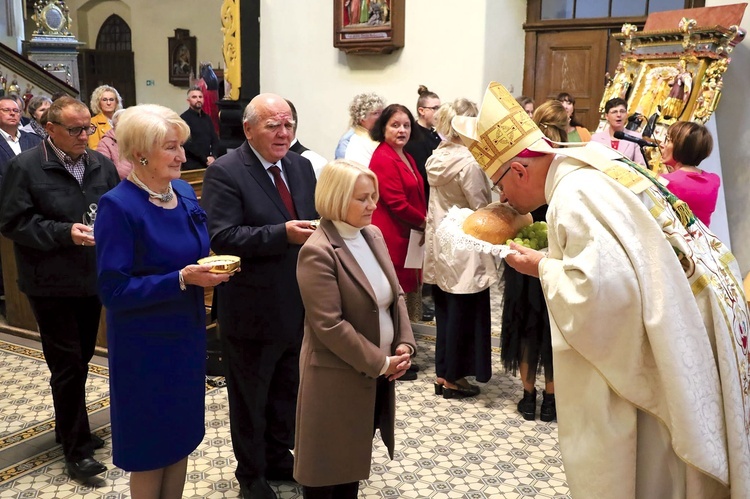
(182, 281)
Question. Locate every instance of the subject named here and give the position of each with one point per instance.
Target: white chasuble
(649, 334)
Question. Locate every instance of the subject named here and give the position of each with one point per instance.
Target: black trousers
(262, 384)
(68, 327)
(463, 342)
(340, 491)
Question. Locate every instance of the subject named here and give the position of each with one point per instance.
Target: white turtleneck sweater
(364, 256)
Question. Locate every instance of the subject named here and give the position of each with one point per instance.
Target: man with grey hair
(13, 140)
(648, 319)
(260, 203)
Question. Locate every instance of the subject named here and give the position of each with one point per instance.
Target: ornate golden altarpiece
(673, 69)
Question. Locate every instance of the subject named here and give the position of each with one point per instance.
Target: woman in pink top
(683, 149)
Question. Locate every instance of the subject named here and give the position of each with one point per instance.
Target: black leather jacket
(39, 203)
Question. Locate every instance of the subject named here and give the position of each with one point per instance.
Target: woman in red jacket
(402, 205)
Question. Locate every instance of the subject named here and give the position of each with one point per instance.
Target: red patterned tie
(286, 197)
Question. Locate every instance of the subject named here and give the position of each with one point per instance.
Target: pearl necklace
(164, 197)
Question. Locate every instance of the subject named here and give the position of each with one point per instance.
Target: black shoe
(548, 412)
(527, 405)
(458, 392)
(280, 475)
(414, 367)
(257, 489)
(467, 387)
(85, 468)
(96, 442)
(409, 375)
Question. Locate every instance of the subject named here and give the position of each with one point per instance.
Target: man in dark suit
(44, 195)
(260, 200)
(13, 140)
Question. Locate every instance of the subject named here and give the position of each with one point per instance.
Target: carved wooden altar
(673, 70)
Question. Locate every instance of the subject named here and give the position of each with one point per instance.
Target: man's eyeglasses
(75, 131)
(434, 108)
(108, 99)
(10, 110)
(498, 187)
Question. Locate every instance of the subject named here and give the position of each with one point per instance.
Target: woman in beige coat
(462, 281)
(357, 340)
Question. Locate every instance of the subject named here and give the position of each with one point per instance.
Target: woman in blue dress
(150, 231)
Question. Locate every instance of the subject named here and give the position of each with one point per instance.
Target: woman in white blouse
(357, 341)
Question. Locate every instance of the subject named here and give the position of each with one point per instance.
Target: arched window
(114, 35)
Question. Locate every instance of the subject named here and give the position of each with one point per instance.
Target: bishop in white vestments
(649, 318)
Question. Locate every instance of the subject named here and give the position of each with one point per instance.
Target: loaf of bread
(496, 223)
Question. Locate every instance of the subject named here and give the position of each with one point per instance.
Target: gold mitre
(501, 131)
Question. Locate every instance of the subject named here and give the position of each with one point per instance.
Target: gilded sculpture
(230, 23)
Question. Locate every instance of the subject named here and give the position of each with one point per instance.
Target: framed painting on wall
(368, 26)
(182, 58)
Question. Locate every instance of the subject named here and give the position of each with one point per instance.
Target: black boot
(548, 411)
(527, 405)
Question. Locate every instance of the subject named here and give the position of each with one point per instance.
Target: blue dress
(156, 333)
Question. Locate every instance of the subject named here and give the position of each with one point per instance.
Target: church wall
(454, 48)
(151, 24)
(733, 125)
(11, 41)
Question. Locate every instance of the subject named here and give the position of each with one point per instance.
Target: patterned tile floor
(472, 448)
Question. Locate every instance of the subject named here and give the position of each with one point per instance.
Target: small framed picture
(182, 58)
(368, 26)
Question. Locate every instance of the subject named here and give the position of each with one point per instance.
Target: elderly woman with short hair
(37, 107)
(105, 100)
(357, 339)
(364, 111)
(150, 231)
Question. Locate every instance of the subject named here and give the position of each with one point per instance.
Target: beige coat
(456, 179)
(340, 360)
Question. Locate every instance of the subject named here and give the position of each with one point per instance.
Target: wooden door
(572, 62)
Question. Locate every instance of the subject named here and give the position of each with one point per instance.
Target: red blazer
(401, 207)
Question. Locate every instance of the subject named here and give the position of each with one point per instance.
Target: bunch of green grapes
(532, 236)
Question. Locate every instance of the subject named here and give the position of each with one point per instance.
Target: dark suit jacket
(246, 218)
(27, 141)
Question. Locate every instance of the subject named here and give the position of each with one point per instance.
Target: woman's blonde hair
(335, 188)
(444, 116)
(143, 128)
(552, 120)
(96, 96)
